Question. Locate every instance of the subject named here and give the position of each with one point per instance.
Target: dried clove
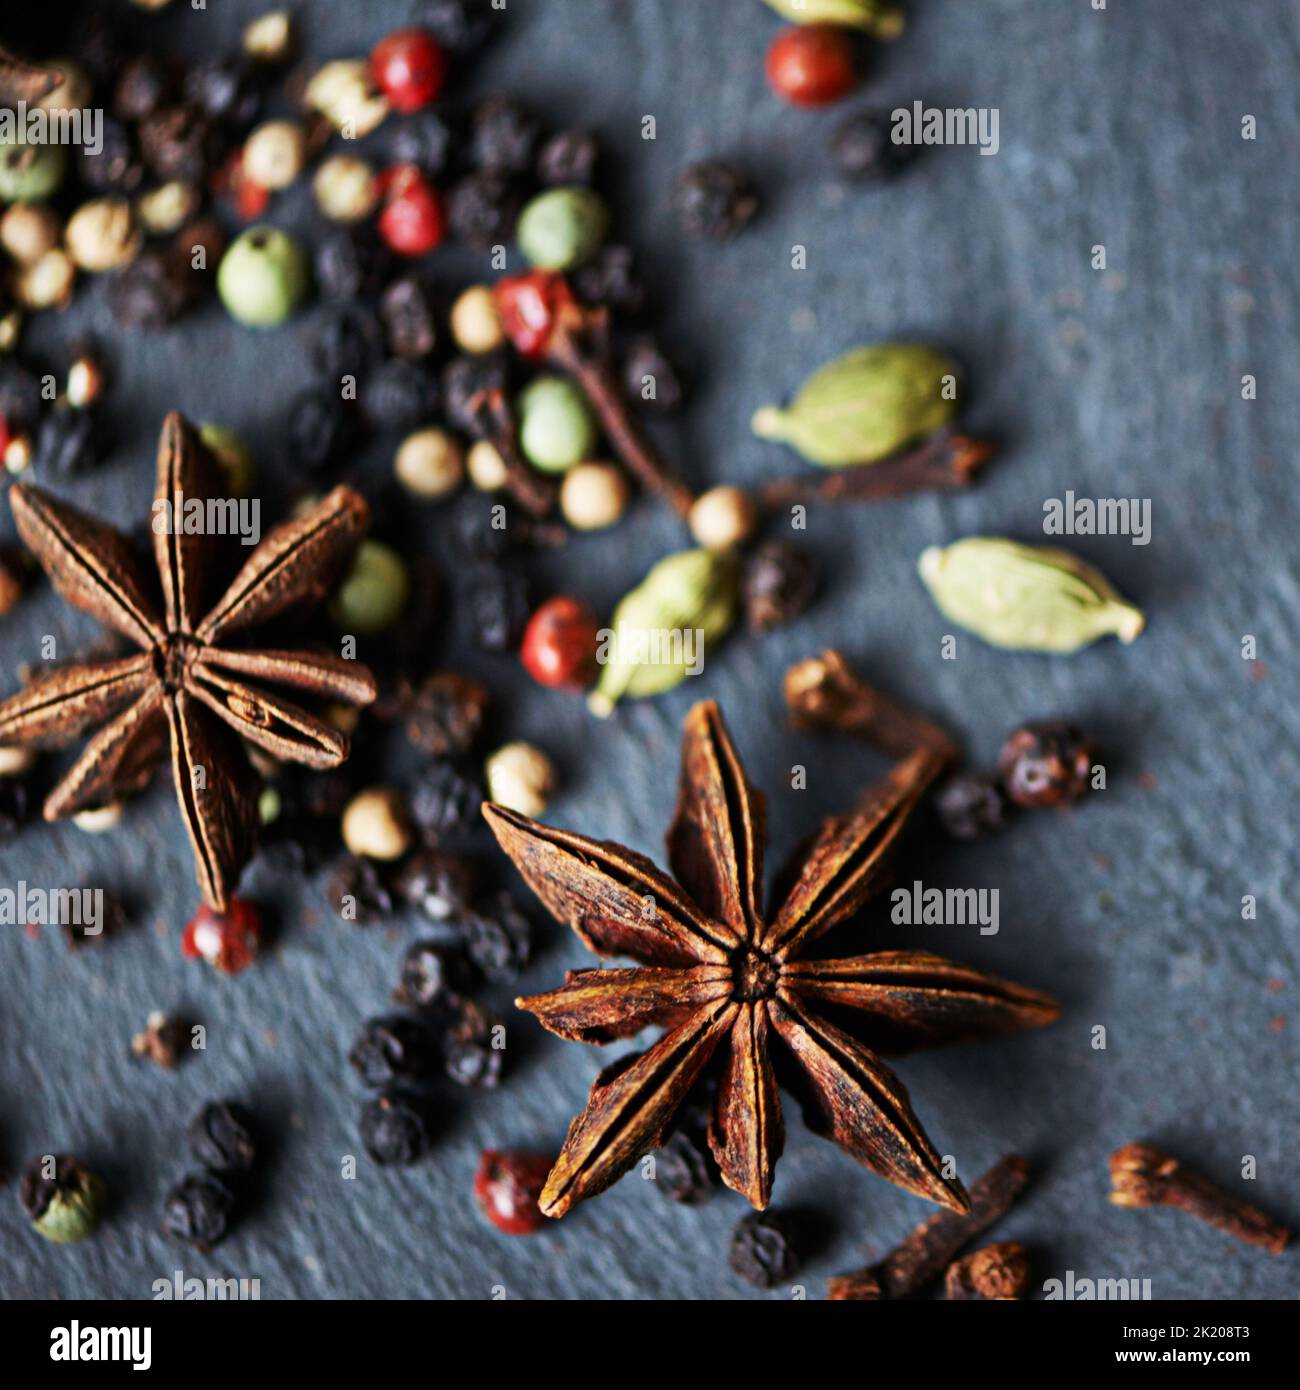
(995, 1273)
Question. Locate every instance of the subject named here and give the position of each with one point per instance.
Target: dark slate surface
(1120, 128)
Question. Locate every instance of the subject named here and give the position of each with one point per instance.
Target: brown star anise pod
(725, 979)
(189, 682)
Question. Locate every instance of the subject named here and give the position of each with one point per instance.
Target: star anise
(189, 682)
(726, 979)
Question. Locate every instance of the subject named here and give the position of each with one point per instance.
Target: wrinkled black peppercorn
(778, 583)
(477, 533)
(610, 279)
(396, 1127)
(862, 147)
(222, 1136)
(444, 800)
(410, 323)
(423, 140)
(399, 395)
(503, 136)
(433, 974)
(468, 1055)
(114, 919)
(569, 157)
(392, 1049)
(445, 714)
(151, 292)
(467, 382)
(438, 885)
(970, 806)
(114, 166)
(179, 142)
(68, 442)
(359, 885)
(649, 378)
(482, 209)
(1046, 764)
(763, 1249)
(197, 1211)
(20, 395)
(351, 263)
(143, 84)
(498, 606)
(499, 938)
(224, 89)
(713, 200)
(346, 340)
(457, 24)
(319, 428)
(684, 1168)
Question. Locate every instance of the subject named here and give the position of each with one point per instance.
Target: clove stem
(994, 1273)
(496, 422)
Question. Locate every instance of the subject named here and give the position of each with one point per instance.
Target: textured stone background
(1119, 128)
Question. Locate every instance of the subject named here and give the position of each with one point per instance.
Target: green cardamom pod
(1026, 597)
(865, 405)
(882, 19)
(662, 628)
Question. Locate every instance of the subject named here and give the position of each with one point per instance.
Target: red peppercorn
(413, 221)
(506, 1188)
(812, 64)
(248, 199)
(559, 644)
(528, 305)
(228, 941)
(410, 66)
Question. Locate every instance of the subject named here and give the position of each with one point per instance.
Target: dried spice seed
(433, 975)
(197, 1211)
(425, 140)
(114, 919)
(713, 201)
(320, 428)
(168, 693)
(69, 442)
(649, 378)
(163, 1042)
(396, 1127)
(722, 975)
(503, 136)
(568, 157)
(610, 280)
(178, 143)
(228, 940)
(812, 64)
(223, 1138)
(997, 1273)
(764, 1249)
(351, 263)
(407, 311)
(498, 606)
(482, 209)
(469, 1057)
(1046, 764)
(143, 85)
(346, 340)
(437, 884)
(399, 396)
(63, 1199)
(970, 806)
(778, 583)
(115, 166)
(391, 1050)
(358, 889)
(506, 1188)
(460, 25)
(446, 713)
(444, 800)
(863, 147)
(684, 1168)
(559, 644)
(499, 938)
(153, 291)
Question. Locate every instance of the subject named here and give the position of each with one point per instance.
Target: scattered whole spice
(610, 280)
(446, 714)
(432, 975)
(970, 805)
(410, 67)
(228, 940)
(863, 147)
(521, 778)
(376, 824)
(1046, 764)
(437, 884)
(408, 315)
(345, 188)
(563, 227)
(424, 140)
(359, 890)
(350, 262)
(413, 221)
(399, 395)
(498, 606)
(723, 518)
(391, 1050)
(430, 464)
(274, 154)
(486, 468)
(30, 173)
(997, 1273)
(568, 157)
(374, 592)
(1142, 1175)
(69, 442)
(397, 1127)
(270, 37)
(499, 938)
(163, 1041)
(684, 1168)
(29, 230)
(344, 93)
(506, 1188)
(594, 496)
(556, 428)
(812, 64)
(475, 322)
(713, 201)
(444, 800)
(482, 209)
(222, 1137)
(469, 1057)
(319, 429)
(1025, 598)
(151, 292)
(649, 377)
(725, 975)
(503, 137)
(764, 1249)
(460, 25)
(778, 583)
(64, 1200)
(198, 1210)
(47, 282)
(559, 644)
(880, 19)
(346, 340)
(262, 279)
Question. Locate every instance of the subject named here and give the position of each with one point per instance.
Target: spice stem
(825, 693)
(1143, 1176)
(994, 1272)
(569, 349)
(928, 1251)
(533, 493)
(945, 461)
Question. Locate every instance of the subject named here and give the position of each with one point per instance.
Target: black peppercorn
(433, 974)
(197, 1211)
(610, 280)
(446, 713)
(649, 378)
(20, 395)
(114, 166)
(143, 84)
(399, 395)
(476, 530)
(393, 1049)
(114, 919)
(444, 800)
(778, 583)
(685, 1171)
(151, 292)
(407, 311)
(457, 24)
(345, 340)
(499, 606)
(763, 1249)
(224, 89)
(396, 1127)
(438, 885)
(423, 140)
(469, 1058)
(970, 806)
(351, 263)
(503, 136)
(468, 383)
(319, 428)
(358, 885)
(713, 200)
(569, 157)
(222, 1137)
(863, 148)
(179, 143)
(499, 938)
(482, 209)
(68, 442)
(1046, 764)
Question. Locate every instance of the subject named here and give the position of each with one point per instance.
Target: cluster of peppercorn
(199, 1210)
(51, 421)
(1043, 764)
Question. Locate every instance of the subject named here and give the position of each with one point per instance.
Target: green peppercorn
(556, 427)
(263, 277)
(63, 1200)
(563, 227)
(232, 453)
(30, 173)
(373, 594)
